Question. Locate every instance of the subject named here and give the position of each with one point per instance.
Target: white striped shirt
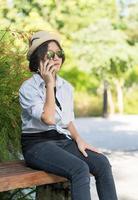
(32, 95)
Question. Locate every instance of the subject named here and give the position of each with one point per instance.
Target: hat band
(34, 39)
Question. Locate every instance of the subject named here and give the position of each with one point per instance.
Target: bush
(87, 105)
(131, 100)
(11, 76)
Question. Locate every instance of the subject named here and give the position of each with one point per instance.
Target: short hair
(39, 54)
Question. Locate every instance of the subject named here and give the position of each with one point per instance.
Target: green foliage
(104, 51)
(18, 194)
(132, 78)
(62, 15)
(98, 46)
(131, 100)
(11, 73)
(87, 104)
(81, 80)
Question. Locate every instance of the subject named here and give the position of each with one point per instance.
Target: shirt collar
(39, 80)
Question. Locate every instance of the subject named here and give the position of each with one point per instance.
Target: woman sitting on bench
(50, 140)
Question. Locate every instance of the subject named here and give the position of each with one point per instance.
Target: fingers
(90, 148)
(43, 66)
(52, 69)
(94, 149)
(46, 66)
(84, 153)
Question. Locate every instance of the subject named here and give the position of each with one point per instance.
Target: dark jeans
(62, 157)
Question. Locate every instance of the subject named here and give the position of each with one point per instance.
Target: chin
(57, 67)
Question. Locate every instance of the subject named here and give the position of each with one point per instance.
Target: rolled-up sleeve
(31, 101)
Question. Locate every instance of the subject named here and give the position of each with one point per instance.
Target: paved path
(117, 137)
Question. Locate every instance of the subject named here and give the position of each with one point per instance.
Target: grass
(87, 105)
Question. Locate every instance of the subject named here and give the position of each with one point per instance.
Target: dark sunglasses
(51, 54)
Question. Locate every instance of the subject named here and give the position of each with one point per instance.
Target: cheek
(58, 67)
(60, 63)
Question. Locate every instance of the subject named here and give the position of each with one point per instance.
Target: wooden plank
(16, 174)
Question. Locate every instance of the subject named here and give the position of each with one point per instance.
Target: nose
(55, 57)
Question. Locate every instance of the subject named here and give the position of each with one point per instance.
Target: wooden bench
(15, 174)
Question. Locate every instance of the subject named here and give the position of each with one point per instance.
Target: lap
(61, 156)
(94, 160)
(51, 156)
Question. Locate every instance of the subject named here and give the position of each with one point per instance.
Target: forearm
(48, 115)
(74, 133)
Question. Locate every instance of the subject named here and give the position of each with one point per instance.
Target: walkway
(117, 137)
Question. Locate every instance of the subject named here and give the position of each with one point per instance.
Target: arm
(82, 145)
(74, 133)
(33, 104)
(31, 101)
(48, 116)
(71, 126)
(47, 71)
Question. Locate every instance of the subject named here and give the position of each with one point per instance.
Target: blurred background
(100, 40)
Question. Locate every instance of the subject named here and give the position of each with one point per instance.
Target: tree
(106, 52)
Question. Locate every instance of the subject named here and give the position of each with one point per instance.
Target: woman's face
(56, 60)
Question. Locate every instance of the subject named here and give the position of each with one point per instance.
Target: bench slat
(16, 174)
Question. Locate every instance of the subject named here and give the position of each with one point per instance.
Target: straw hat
(39, 38)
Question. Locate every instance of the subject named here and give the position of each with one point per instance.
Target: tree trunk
(120, 104)
(105, 100)
(57, 191)
(111, 103)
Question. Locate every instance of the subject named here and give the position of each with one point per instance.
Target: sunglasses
(51, 54)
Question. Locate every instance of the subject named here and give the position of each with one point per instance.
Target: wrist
(78, 138)
(49, 85)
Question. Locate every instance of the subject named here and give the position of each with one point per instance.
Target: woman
(50, 141)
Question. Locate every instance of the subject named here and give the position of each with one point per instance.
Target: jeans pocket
(33, 150)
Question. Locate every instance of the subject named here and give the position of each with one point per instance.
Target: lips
(57, 64)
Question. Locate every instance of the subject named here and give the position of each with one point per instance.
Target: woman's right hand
(47, 70)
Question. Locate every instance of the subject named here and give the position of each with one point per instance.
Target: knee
(104, 164)
(81, 170)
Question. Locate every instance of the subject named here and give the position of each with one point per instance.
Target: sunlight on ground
(117, 138)
(125, 171)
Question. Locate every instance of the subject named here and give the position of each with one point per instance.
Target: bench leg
(56, 191)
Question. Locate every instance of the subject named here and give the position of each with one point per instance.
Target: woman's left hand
(82, 146)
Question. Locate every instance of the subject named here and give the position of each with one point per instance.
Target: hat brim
(38, 43)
